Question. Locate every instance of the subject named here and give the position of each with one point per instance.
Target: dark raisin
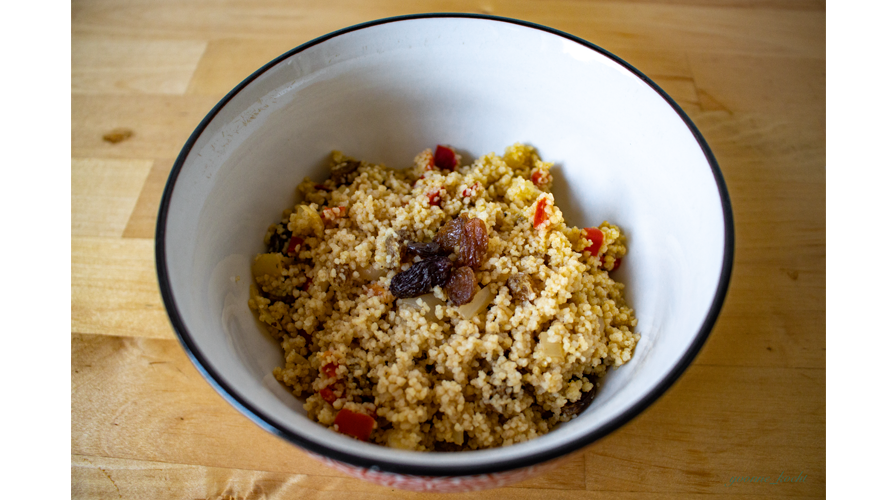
(279, 238)
(342, 172)
(441, 269)
(451, 233)
(424, 249)
(521, 287)
(421, 277)
(474, 244)
(461, 286)
(446, 446)
(572, 409)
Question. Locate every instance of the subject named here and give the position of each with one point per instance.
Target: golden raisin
(474, 244)
(461, 285)
(451, 233)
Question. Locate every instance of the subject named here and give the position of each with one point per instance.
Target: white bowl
(385, 90)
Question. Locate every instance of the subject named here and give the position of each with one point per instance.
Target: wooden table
(750, 73)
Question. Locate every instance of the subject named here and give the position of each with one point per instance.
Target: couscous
(441, 307)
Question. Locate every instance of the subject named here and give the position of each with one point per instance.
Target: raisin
(421, 277)
(424, 249)
(451, 233)
(342, 172)
(446, 446)
(521, 287)
(279, 238)
(461, 286)
(474, 244)
(572, 409)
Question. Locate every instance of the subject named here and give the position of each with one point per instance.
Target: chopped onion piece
(480, 301)
(553, 349)
(429, 299)
(268, 263)
(371, 273)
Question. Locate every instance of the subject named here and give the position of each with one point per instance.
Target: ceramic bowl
(385, 90)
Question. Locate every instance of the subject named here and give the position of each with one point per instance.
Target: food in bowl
(441, 307)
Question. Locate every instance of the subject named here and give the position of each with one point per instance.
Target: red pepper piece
(330, 214)
(616, 263)
(329, 370)
(470, 190)
(541, 217)
(307, 285)
(597, 239)
(444, 158)
(321, 187)
(354, 424)
(328, 395)
(537, 178)
(434, 198)
(294, 243)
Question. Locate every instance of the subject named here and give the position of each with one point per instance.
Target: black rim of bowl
(257, 416)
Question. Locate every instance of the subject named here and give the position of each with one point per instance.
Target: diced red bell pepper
(330, 214)
(353, 424)
(616, 263)
(541, 217)
(444, 158)
(294, 244)
(307, 284)
(328, 395)
(468, 192)
(321, 187)
(538, 178)
(329, 369)
(434, 198)
(597, 239)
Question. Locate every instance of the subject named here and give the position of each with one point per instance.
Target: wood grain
(114, 288)
(104, 193)
(125, 66)
(141, 398)
(750, 73)
(142, 222)
(161, 124)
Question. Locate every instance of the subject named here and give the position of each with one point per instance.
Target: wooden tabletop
(751, 75)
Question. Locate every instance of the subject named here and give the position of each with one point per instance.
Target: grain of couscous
(441, 307)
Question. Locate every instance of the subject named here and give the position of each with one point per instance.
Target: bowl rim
(259, 417)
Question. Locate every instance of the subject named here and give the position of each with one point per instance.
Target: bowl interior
(383, 93)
